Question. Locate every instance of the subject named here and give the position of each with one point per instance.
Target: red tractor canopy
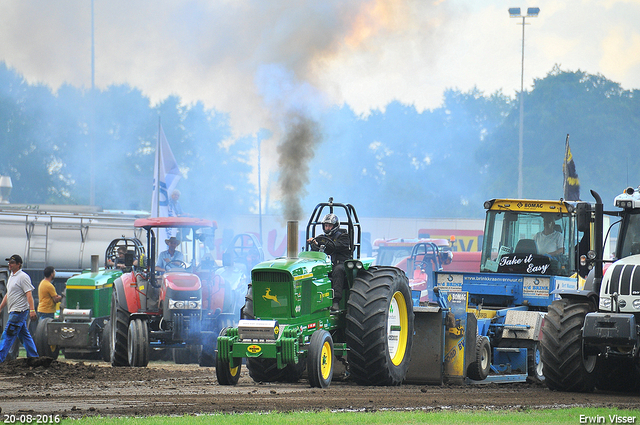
(147, 223)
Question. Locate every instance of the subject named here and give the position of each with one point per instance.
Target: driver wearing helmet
(339, 252)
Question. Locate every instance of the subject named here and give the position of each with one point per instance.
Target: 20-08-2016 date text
(31, 419)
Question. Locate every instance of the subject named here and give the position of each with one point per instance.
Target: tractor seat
(526, 246)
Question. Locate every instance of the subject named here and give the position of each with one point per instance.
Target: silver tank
(63, 236)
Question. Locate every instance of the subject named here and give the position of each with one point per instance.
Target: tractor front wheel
(479, 369)
(320, 359)
(42, 340)
(379, 329)
(226, 374)
(119, 333)
(536, 366)
(566, 368)
(138, 343)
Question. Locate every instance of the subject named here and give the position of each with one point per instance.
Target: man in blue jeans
(20, 303)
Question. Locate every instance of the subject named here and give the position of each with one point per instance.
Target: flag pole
(564, 167)
(157, 177)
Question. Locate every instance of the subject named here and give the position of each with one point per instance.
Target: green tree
(603, 122)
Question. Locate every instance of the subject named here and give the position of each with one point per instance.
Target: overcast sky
(256, 58)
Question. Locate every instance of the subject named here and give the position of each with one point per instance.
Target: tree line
(398, 162)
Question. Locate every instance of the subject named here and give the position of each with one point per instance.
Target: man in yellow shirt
(47, 294)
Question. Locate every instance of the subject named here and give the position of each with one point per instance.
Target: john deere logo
(268, 296)
(254, 349)
(276, 330)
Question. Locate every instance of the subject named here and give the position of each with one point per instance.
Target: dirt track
(76, 389)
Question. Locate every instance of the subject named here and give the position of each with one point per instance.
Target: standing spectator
(20, 303)
(175, 210)
(47, 295)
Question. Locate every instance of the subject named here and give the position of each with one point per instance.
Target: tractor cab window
(630, 234)
(529, 233)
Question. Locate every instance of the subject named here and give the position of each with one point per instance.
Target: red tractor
(178, 308)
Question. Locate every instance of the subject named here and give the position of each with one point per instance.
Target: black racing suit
(338, 254)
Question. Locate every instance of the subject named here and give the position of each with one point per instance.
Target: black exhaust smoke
(295, 152)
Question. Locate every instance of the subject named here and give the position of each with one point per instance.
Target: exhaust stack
(292, 239)
(94, 263)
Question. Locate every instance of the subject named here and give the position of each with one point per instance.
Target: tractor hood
(180, 281)
(305, 265)
(280, 284)
(91, 290)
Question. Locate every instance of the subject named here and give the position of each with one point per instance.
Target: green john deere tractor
(82, 329)
(287, 324)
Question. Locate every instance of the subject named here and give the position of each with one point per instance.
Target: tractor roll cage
(133, 247)
(352, 223)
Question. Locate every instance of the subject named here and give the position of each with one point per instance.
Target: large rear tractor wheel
(226, 374)
(481, 366)
(105, 342)
(42, 340)
(320, 359)
(138, 343)
(266, 370)
(566, 368)
(119, 333)
(379, 329)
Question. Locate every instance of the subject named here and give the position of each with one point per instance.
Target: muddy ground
(75, 389)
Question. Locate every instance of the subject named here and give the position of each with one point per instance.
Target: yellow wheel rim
(233, 370)
(397, 328)
(325, 360)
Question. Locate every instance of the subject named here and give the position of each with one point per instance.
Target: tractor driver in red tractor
(339, 251)
(170, 259)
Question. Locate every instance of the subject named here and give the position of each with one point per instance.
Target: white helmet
(331, 219)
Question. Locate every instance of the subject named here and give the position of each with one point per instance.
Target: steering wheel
(327, 242)
(178, 263)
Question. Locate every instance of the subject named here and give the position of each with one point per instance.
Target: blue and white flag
(165, 178)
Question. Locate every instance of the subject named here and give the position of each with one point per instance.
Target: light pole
(259, 191)
(514, 12)
(92, 169)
